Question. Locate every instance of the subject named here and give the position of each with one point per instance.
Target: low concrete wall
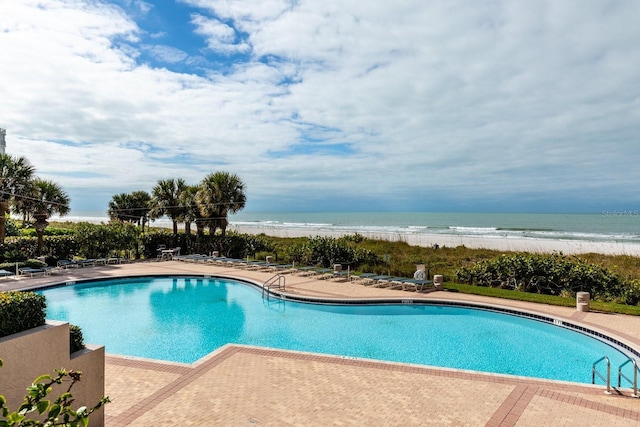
(41, 350)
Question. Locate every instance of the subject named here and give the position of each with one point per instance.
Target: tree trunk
(4, 208)
(200, 228)
(175, 228)
(223, 226)
(187, 228)
(40, 224)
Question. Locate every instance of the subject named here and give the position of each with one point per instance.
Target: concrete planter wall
(41, 350)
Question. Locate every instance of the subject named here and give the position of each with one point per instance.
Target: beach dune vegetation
(551, 274)
(327, 251)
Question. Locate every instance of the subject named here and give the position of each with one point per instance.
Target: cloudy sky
(332, 105)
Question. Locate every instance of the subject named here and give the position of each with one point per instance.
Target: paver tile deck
(243, 385)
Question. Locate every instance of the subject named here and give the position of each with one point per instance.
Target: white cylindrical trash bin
(437, 281)
(582, 301)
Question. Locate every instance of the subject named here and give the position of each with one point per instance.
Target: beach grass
(403, 258)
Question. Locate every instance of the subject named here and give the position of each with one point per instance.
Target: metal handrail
(277, 280)
(595, 372)
(635, 376)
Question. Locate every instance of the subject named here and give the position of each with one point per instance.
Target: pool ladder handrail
(277, 281)
(594, 372)
(635, 376)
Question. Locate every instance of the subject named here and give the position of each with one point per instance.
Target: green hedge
(21, 311)
(77, 340)
(551, 274)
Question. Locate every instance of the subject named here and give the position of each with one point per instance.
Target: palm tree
(120, 208)
(23, 205)
(15, 174)
(165, 200)
(130, 207)
(141, 201)
(190, 211)
(220, 193)
(48, 199)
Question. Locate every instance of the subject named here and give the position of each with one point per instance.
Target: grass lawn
(541, 299)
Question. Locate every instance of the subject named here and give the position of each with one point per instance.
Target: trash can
(437, 281)
(582, 301)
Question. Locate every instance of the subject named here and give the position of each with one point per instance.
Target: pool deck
(242, 385)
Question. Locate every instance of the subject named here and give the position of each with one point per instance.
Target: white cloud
(166, 53)
(468, 99)
(220, 36)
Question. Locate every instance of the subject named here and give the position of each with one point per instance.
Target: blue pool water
(183, 319)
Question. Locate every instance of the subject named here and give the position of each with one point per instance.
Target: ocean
(611, 227)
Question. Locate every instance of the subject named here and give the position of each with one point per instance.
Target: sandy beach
(443, 240)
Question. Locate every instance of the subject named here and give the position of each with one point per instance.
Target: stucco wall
(39, 351)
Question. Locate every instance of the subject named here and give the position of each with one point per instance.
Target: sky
(332, 105)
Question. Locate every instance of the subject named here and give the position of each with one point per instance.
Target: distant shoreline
(568, 247)
(423, 239)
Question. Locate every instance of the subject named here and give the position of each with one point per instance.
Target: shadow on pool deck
(241, 385)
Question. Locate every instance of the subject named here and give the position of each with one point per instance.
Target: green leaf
(54, 411)
(15, 418)
(41, 378)
(42, 406)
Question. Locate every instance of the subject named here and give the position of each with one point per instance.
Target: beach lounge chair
(5, 273)
(390, 283)
(362, 278)
(324, 273)
(67, 263)
(417, 285)
(31, 271)
(305, 271)
(282, 268)
(86, 262)
(372, 281)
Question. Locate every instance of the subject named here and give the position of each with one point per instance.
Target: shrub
(76, 341)
(554, 274)
(326, 251)
(21, 311)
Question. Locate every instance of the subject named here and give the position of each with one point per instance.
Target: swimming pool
(183, 319)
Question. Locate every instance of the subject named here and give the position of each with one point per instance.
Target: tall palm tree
(141, 201)
(165, 200)
(15, 174)
(120, 208)
(220, 193)
(130, 207)
(190, 210)
(22, 205)
(48, 199)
